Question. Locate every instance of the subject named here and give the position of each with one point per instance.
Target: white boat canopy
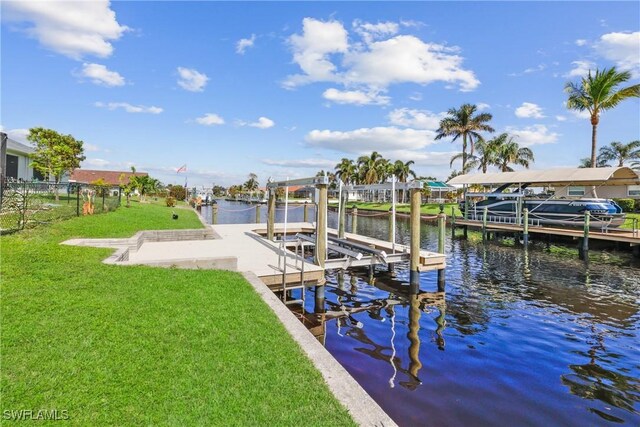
(553, 177)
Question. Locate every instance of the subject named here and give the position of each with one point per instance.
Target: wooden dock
(611, 235)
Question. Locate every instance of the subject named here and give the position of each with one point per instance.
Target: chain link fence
(29, 204)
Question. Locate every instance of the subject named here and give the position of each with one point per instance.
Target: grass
(629, 221)
(425, 209)
(140, 345)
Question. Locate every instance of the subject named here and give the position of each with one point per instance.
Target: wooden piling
(442, 221)
(390, 238)
(584, 247)
(354, 220)
(414, 274)
(257, 214)
(321, 238)
(342, 215)
(484, 223)
(214, 214)
(525, 228)
(271, 214)
(453, 222)
(305, 217)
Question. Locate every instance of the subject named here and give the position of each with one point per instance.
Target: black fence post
(78, 200)
(119, 196)
(103, 191)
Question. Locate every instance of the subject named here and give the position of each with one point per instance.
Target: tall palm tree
(371, 168)
(347, 171)
(252, 182)
(486, 152)
(617, 151)
(586, 163)
(402, 171)
(509, 152)
(599, 92)
(463, 123)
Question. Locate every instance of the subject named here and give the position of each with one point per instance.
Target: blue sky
(285, 89)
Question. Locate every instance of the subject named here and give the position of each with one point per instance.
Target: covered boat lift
(557, 177)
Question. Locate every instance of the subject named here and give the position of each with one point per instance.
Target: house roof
(19, 147)
(87, 176)
(553, 177)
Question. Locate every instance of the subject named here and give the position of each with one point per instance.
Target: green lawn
(139, 345)
(629, 222)
(426, 209)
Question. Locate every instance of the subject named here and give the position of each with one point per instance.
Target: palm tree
(252, 182)
(402, 171)
(585, 162)
(620, 152)
(371, 168)
(347, 171)
(508, 152)
(636, 165)
(463, 123)
(597, 93)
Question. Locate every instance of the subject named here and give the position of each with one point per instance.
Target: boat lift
(355, 250)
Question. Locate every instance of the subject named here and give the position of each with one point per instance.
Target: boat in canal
(604, 213)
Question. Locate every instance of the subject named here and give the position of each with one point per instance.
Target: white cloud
(419, 119)
(370, 32)
(365, 140)
(90, 147)
(483, 106)
(580, 68)
(529, 110)
(263, 123)
(621, 48)
(533, 135)
(407, 59)
(74, 29)
(580, 114)
(302, 163)
(191, 79)
(210, 119)
(243, 44)
(375, 65)
(129, 108)
(416, 96)
(355, 97)
(561, 118)
(311, 50)
(100, 75)
(100, 163)
(19, 135)
(581, 42)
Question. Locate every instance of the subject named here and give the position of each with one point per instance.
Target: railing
(29, 204)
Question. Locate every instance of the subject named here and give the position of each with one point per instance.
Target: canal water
(522, 337)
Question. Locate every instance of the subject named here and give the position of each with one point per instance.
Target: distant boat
(564, 212)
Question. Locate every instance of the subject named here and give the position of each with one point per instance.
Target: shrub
(171, 201)
(625, 204)
(637, 205)
(178, 191)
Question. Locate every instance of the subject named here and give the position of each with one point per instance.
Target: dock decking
(612, 235)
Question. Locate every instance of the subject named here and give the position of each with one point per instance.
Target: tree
(599, 92)
(617, 151)
(347, 171)
(252, 182)
(585, 162)
(55, 154)
(508, 152)
(463, 123)
(402, 171)
(371, 168)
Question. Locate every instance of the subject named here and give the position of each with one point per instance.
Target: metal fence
(29, 204)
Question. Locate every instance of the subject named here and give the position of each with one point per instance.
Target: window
(633, 190)
(12, 166)
(575, 191)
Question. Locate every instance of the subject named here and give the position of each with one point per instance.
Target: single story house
(112, 178)
(605, 192)
(17, 162)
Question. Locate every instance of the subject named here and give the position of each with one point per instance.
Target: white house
(17, 162)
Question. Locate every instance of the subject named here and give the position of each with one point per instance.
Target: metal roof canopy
(385, 186)
(316, 180)
(554, 177)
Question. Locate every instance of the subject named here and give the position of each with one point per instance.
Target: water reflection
(523, 337)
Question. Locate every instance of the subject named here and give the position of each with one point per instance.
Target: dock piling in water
(306, 212)
(354, 220)
(525, 229)
(414, 274)
(214, 214)
(271, 214)
(584, 244)
(257, 214)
